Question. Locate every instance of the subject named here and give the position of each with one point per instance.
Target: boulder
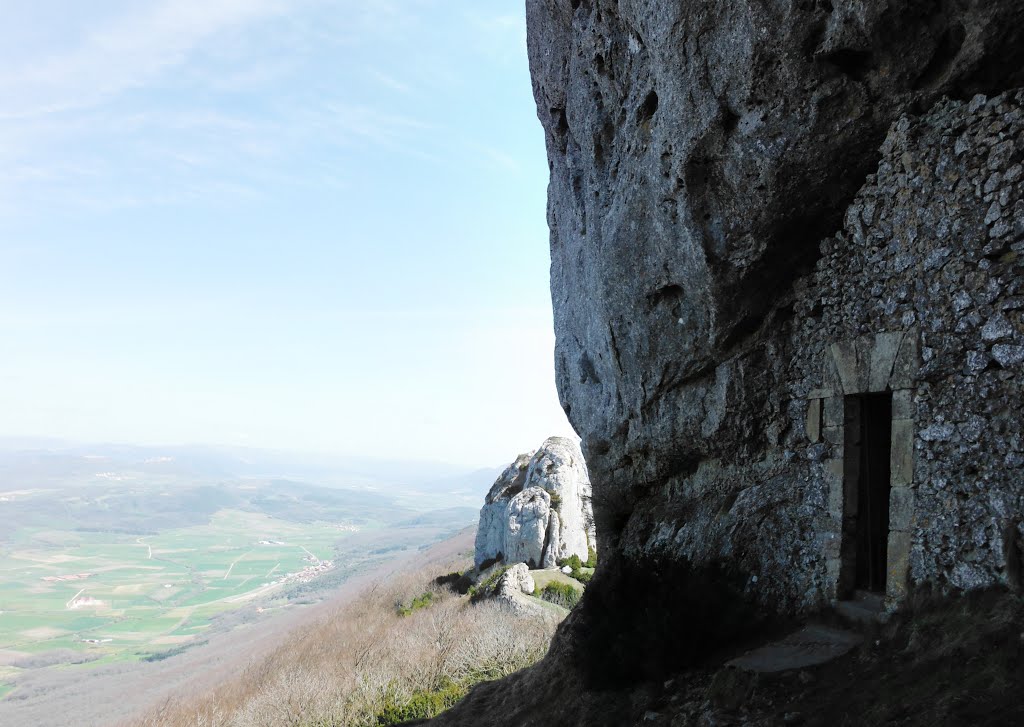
(539, 509)
(516, 579)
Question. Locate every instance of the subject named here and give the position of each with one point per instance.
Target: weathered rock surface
(517, 578)
(539, 509)
(512, 588)
(699, 152)
(759, 213)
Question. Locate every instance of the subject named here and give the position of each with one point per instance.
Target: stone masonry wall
(921, 293)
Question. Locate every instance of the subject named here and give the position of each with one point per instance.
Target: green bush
(422, 601)
(577, 566)
(480, 590)
(422, 705)
(573, 561)
(561, 594)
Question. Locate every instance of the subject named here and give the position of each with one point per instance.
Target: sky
(308, 225)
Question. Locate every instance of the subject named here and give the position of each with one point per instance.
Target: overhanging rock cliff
(786, 246)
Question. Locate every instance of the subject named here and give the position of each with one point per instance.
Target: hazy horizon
(313, 227)
(29, 445)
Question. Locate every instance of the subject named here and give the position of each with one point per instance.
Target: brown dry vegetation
(351, 667)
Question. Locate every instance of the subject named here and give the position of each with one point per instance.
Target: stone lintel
(830, 380)
(844, 354)
(882, 357)
(874, 363)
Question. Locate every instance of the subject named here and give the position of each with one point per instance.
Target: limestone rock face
(699, 152)
(539, 509)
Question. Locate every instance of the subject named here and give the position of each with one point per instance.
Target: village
(315, 569)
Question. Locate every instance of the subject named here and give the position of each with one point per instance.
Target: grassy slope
(374, 662)
(543, 577)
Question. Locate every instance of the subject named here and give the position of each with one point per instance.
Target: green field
(145, 595)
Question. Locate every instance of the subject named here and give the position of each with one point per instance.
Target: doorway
(869, 428)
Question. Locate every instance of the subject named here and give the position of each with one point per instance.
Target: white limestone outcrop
(539, 510)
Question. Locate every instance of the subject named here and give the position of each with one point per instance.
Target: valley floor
(105, 694)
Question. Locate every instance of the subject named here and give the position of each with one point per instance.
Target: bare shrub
(345, 669)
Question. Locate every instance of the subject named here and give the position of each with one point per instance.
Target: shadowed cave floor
(957, 661)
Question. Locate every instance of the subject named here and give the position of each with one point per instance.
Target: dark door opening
(872, 432)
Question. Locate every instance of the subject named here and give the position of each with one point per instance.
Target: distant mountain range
(35, 463)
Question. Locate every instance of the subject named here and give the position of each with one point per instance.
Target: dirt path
(148, 546)
(68, 604)
(232, 566)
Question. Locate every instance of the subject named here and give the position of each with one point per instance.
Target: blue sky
(314, 225)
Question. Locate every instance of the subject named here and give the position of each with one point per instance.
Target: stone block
(830, 380)
(908, 361)
(831, 543)
(833, 411)
(834, 476)
(833, 571)
(844, 354)
(901, 509)
(903, 404)
(820, 393)
(897, 567)
(813, 424)
(901, 453)
(834, 470)
(833, 435)
(884, 348)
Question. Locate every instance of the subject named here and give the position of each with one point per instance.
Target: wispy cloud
(181, 100)
(124, 54)
(389, 81)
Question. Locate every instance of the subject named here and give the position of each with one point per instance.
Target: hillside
(403, 647)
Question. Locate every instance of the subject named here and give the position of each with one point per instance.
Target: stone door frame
(875, 363)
